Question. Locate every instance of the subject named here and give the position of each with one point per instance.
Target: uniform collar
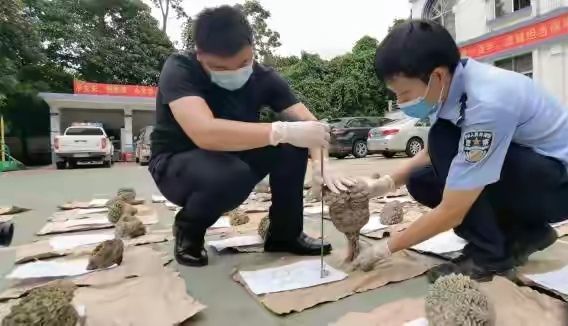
(450, 108)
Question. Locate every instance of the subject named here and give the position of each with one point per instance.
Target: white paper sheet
(299, 275)
(417, 322)
(66, 242)
(316, 210)
(556, 280)
(373, 225)
(98, 202)
(171, 205)
(236, 242)
(222, 222)
(158, 199)
(555, 225)
(41, 269)
(87, 221)
(402, 199)
(442, 243)
(89, 211)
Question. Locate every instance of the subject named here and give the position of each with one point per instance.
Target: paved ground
(227, 302)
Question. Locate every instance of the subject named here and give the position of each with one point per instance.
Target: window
(357, 123)
(505, 7)
(522, 64)
(441, 11)
(423, 122)
(84, 132)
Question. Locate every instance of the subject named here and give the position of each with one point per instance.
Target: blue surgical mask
(419, 108)
(233, 79)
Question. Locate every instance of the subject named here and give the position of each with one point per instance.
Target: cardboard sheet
(141, 291)
(93, 203)
(11, 210)
(43, 250)
(159, 299)
(515, 306)
(402, 266)
(91, 223)
(561, 228)
(137, 262)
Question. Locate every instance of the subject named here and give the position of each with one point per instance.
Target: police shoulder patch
(476, 145)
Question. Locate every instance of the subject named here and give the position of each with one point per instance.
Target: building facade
(527, 36)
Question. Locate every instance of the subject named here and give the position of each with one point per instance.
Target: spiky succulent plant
(456, 299)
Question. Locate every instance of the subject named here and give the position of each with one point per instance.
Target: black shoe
(303, 245)
(466, 266)
(189, 252)
(531, 243)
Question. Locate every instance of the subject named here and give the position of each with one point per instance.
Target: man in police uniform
(495, 166)
(209, 149)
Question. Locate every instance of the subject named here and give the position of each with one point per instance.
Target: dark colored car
(349, 135)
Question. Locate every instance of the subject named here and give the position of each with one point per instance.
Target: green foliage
(188, 43)
(265, 39)
(396, 22)
(111, 41)
(344, 86)
(165, 6)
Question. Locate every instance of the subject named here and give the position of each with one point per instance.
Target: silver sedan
(407, 135)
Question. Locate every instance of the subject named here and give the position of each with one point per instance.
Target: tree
(110, 41)
(344, 86)
(19, 44)
(165, 6)
(188, 43)
(266, 40)
(396, 22)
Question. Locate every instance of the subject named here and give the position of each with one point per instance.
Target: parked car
(143, 151)
(407, 135)
(82, 143)
(349, 135)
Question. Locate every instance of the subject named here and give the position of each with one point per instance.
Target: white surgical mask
(232, 79)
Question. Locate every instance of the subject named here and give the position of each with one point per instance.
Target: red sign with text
(524, 36)
(81, 87)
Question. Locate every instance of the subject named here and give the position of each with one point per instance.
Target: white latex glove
(370, 256)
(306, 134)
(370, 187)
(334, 180)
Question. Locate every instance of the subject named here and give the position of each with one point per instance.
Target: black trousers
(531, 193)
(208, 184)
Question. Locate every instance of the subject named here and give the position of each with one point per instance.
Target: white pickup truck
(83, 143)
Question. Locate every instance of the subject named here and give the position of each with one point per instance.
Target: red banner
(81, 87)
(524, 36)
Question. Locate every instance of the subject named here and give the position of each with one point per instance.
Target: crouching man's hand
(370, 187)
(333, 179)
(370, 256)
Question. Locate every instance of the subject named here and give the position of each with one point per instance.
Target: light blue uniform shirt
(502, 107)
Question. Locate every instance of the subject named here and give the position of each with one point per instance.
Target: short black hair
(222, 31)
(414, 49)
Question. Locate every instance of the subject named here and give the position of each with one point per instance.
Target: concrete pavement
(228, 303)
